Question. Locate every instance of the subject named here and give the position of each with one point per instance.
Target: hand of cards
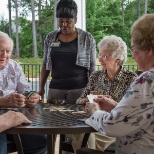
(91, 98)
(27, 94)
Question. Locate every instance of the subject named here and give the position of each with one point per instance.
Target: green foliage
(103, 17)
(4, 25)
(28, 60)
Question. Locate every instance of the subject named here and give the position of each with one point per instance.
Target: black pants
(32, 144)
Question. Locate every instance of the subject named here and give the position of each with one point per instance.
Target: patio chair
(15, 146)
(67, 147)
(92, 151)
(11, 147)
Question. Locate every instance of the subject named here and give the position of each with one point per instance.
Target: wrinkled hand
(90, 108)
(105, 102)
(12, 119)
(32, 100)
(16, 100)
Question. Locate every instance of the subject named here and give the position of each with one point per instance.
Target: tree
(138, 8)
(34, 30)
(146, 6)
(40, 22)
(10, 22)
(4, 25)
(122, 6)
(17, 30)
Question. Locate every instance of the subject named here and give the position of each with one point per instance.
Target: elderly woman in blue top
(132, 119)
(69, 55)
(13, 84)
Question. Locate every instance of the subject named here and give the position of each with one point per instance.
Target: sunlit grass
(33, 71)
(29, 60)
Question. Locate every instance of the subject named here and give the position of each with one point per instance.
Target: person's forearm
(4, 101)
(44, 76)
(3, 126)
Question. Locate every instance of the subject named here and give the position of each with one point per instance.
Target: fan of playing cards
(91, 98)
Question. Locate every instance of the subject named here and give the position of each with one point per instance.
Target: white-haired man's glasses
(2, 51)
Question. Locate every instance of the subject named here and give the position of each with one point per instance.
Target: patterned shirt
(12, 79)
(86, 54)
(116, 88)
(132, 120)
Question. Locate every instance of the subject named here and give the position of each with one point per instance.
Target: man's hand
(32, 100)
(12, 119)
(16, 100)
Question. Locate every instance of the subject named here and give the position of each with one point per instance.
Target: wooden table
(45, 120)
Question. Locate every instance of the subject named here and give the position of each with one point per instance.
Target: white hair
(116, 45)
(4, 36)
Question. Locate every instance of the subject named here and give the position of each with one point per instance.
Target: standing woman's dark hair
(66, 9)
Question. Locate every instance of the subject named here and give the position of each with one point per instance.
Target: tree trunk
(138, 8)
(34, 30)
(17, 30)
(10, 21)
(40, 23)
(55, 19)
(146, 7)
(122, 5)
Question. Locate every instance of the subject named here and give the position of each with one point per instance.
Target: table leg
(85, 140)
(51, 143)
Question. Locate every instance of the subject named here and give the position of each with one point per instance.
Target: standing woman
(69, 54)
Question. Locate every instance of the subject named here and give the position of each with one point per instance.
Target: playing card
(91, 97)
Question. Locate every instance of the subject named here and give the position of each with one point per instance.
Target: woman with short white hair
(112, 80)
(132, 119)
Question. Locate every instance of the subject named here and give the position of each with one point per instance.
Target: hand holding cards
(91, 98)
(27, 94)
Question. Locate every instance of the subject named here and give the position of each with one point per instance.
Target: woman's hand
(90, 108)
(83, 101)
(41, 93)
(32, 100)
(105, 102)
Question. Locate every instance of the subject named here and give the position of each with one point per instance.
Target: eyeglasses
(132, 49)
(2, 51)
(103, 56)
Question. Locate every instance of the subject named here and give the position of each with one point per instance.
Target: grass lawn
(39, 61)
(29, 60)
(34, 71)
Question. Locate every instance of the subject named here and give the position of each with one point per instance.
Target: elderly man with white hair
(13, 85)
